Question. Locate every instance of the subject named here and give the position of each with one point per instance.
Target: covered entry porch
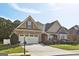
(49, 37)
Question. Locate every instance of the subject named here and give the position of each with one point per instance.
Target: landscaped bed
(7, 49)
(66, 46)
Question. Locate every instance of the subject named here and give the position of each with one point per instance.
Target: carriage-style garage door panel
(30, 39)
(21, 39)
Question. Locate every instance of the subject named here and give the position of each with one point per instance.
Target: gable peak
(56, 21)
(30, 17)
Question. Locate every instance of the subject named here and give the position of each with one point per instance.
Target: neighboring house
(50, 31)
(35, 32)
(74, 32)
(55, 32)
(62, 33)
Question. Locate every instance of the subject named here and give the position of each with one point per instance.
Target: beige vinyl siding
(54, 27)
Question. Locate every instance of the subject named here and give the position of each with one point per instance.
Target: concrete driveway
(43, 50)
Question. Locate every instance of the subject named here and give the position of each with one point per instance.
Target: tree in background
(16, 23)
(6, 27)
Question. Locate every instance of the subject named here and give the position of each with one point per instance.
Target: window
(51, 37)
(63, 36)
(29, 25)
(21, 35)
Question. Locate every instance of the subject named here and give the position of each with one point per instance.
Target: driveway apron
(43, 50)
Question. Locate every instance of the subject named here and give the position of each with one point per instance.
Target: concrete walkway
(43, 50)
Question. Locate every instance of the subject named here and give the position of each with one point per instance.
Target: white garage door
(30, 39)
(21, 39)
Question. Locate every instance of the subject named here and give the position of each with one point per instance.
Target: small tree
(14, 39)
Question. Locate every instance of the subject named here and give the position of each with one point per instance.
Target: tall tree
(16, 23)
(6, 27)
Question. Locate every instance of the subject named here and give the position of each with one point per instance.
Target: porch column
(48, 36)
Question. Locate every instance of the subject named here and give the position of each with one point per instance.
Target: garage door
(21, 39)
(30, 39)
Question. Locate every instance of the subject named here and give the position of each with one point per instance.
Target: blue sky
(66, 13)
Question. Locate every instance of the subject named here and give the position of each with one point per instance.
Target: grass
(66, 46)
(7, 49)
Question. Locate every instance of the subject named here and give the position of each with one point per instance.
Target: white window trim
(29, 24)
(63, 36)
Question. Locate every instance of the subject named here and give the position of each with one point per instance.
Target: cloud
(55, 6)
(25, 10)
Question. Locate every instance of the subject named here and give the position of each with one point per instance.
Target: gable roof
(76, 27)
(28, 18)
(44, 27)
(40, 25)
(49, 25)
(62, 30)
(74, 30)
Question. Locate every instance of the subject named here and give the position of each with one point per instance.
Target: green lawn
(7, 49)
(66, 46)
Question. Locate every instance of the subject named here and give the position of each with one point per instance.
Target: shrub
(75, 42)
(14, 39)
(48, 42)
(66, 41)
